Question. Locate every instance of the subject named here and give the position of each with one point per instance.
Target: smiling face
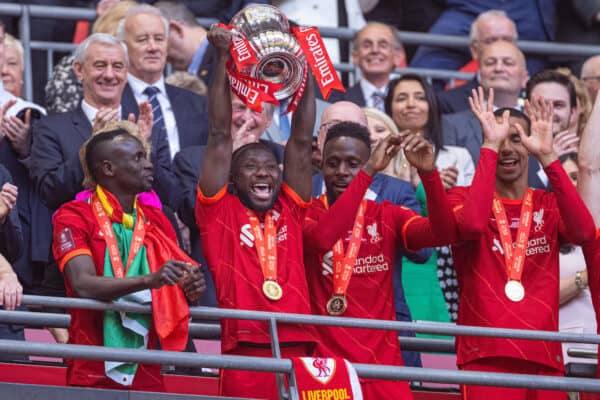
(256, 177)
(559, 96)
(103, 74)
(410, 109)
(375, 51)
(513, 157)
(343, 157)
(146, 40)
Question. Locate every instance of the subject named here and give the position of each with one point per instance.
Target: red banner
(316, 55)
(241, 50)
(253, 92)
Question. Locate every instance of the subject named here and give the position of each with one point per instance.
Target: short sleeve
(71, 233)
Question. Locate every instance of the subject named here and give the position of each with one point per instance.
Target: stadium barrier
(284, 366)
(26, 11)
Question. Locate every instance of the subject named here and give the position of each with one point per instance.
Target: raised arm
(214, 173)
(473, 205)
(588, 182)
(323, 234)
(297, 171)
(578, 225)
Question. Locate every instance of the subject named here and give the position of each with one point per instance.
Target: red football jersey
(387, 228)
(228, 246)
(76, 232)
(482, 274)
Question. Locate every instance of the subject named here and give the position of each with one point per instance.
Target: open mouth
(508, 163)
(262, 191)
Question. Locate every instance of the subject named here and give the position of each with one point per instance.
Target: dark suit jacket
(34, 217)
(186, 166)
(190, 109)
(55, 167)
(207, 66)
(11, 237)
(456, 99)
(355, 95)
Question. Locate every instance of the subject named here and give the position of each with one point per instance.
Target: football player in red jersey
(353, 278)
(507, 252)
(252, 237)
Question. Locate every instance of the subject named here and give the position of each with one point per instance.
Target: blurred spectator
(413, 106)
(576, 313)
(188, 50)
(376, 51)
(63, 89)
(578, 22)
(383, 187)
(487, 28)
(503, 69)
(180, 114)
(534, 20)
(584, 104)
(341, 13)
(380, 126)
(590, 75)
(12, 70)
(185, 80)
(405, 15)
(223, 10)
(557, 88)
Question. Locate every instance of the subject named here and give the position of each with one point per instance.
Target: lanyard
(111, 242)
(514, 260)
(266, 245)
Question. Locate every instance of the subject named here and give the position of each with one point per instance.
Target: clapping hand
(419, 152)
(494, 132)
(540, 140)
(385, 150)
(17, 133)
(103, 117)
(145, 121)
(8, 200)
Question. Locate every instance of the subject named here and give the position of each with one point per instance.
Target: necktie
(378, 100)
(284, 123)
(158, 120)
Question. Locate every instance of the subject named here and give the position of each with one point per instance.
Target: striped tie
(158, 120)
(378, 100)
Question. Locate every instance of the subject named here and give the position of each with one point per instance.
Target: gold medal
(337, 305)
(514, 290)
(272, 290)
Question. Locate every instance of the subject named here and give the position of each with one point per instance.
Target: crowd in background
(100, 83)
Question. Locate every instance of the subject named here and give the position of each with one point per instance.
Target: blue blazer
(456, 99)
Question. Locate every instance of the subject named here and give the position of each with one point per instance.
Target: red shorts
(509, 365)
(253, 384)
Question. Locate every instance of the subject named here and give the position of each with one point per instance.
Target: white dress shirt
(137, 87)
(90, 111)
(368, 89)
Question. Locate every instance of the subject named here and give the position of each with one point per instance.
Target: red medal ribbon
(111, 242)
(316, 55)
(514, 258)
(266, 244)
(343, 265)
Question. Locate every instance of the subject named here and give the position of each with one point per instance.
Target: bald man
(383, 187)
(590, 75)
(502, 67)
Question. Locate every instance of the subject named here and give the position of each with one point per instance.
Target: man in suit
(376, 51)
(487, 28)
(181, 114)
(101, 65)
(383, 187)
(534, 20)
(503, 69)
(188, 50)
